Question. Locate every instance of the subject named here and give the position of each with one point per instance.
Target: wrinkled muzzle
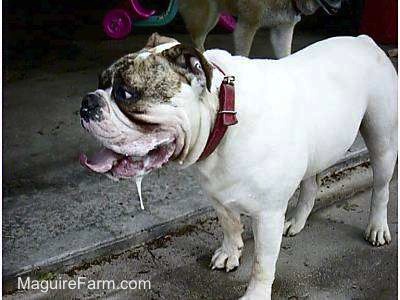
(130, 149)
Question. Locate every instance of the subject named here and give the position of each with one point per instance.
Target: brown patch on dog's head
(148, 81)
(154, 76)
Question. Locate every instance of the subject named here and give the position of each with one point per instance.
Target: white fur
(162, 47)
(146, 53)
(297, 116)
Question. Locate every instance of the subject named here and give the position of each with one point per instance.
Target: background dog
(280, 16)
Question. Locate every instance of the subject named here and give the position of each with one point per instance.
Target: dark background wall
(32, 29)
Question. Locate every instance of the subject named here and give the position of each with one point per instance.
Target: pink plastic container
(117, 23)
(227, 21)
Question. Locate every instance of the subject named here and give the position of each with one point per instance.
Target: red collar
(226, 114)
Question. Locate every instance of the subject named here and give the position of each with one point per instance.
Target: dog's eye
(120, 94)
(127, 95)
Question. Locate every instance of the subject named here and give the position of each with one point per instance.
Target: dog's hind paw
(378, 234)
(224, 259)
(293, 226)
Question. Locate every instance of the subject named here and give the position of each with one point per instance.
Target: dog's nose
(90, 109)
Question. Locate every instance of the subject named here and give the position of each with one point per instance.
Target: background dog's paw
(293, 226)
(378, 234)
(223, 259)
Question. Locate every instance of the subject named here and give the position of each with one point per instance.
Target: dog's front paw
(227, 259)
(378, 234)
(293, 226)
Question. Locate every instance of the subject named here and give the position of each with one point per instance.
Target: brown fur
(156, 78)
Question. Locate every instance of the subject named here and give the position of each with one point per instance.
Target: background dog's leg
(379, 130)
(267, 230)
(281, 39)
(228, 255)
(200, 17)
(243, 37)
(298, 217)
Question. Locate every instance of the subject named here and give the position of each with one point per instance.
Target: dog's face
(144, 107)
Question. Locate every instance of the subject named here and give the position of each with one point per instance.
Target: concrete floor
(328, 260)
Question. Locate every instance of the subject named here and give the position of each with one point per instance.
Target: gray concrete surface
(56, 214)
(328, 260)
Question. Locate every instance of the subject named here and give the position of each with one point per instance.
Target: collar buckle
(229, 80)
(232, 112)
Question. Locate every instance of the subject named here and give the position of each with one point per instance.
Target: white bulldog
(297, 116)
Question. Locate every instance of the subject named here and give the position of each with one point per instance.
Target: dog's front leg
(228, 255)
(267, 230)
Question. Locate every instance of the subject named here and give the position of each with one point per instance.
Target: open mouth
(106, 161)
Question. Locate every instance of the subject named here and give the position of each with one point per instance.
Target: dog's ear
(192, 60)
(155, 39)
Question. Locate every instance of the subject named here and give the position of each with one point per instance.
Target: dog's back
(325, 89)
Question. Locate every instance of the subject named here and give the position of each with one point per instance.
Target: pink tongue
(100, 162)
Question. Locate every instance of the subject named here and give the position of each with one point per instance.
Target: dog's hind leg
(228, 255)
(297, 218)
(379, 130)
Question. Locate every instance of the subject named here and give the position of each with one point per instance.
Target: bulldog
(296, 116)
(280, 16)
